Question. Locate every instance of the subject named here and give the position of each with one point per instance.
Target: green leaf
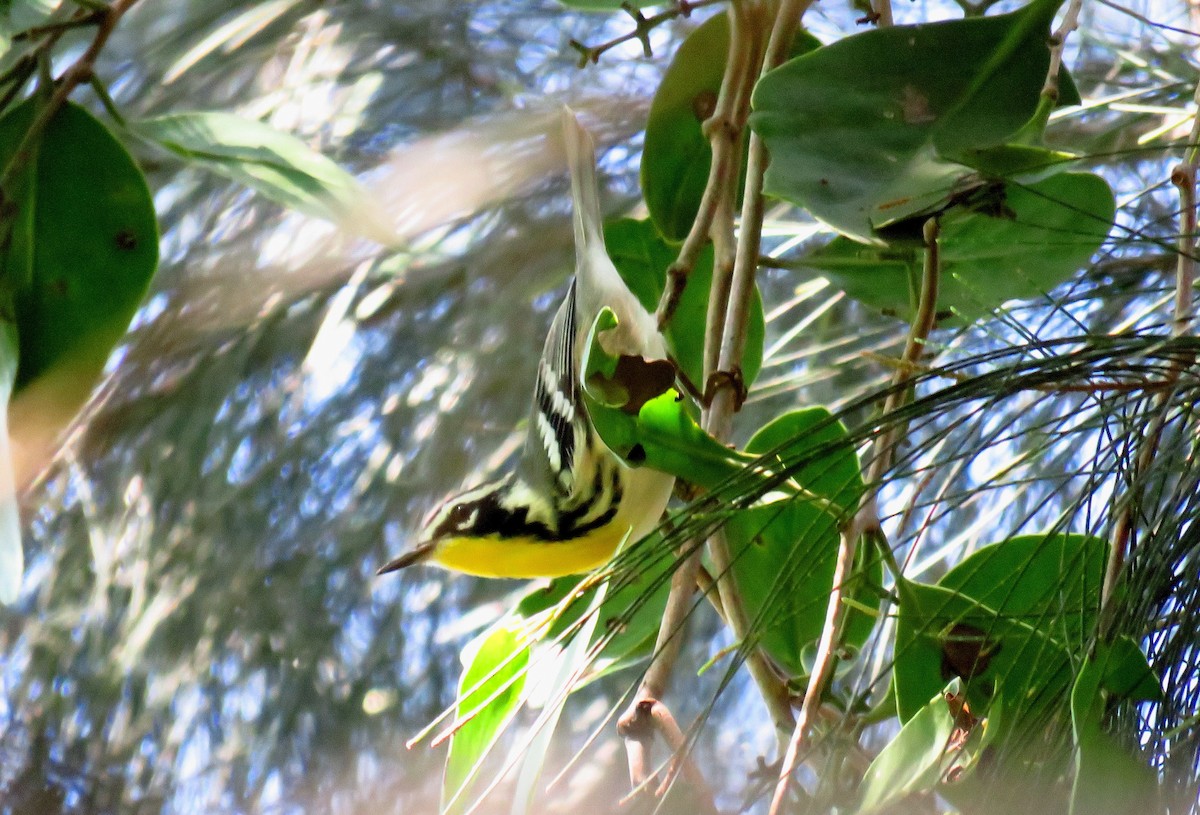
(783, 560)
(1110, 779)
(797, 438)
(923, 752)
(677, 156)
(1046, 232)
(662, 434)
(489, 693)
(557, 675)
(12, 558)
(784, 552)
(942, 633)
(642, 257)
(865, 132)
(85, 243)
(276, 164)
(1052, 582)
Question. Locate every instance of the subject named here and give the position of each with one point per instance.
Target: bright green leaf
(865, 132)
(924, 752)
(276, 164)
(489, 695)
(1047, 232)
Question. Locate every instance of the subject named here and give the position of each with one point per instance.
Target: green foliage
(84, 242)
(490, 693)
(278, 165)
(1043, 232)
(676, 157)
(871, 130)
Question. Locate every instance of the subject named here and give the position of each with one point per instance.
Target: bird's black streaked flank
(570, 502)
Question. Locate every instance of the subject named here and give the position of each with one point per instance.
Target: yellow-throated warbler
(570, 502)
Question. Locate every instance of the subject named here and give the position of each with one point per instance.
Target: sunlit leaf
(940, 739)
(276, 164)
(489, 696)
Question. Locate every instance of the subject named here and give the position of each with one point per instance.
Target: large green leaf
(676, 156)
(490, 692)
(276, 164)
(642, 257)
(84, 247)
(1052, 582)
(1045, 232)
(942, 633)
(784, 552)
(868, 131)
(1014, 611)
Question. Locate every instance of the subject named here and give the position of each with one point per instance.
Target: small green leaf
(642, 257)
(1043, 234)
(923, 752)
(489, 693)
(276, 164)
(85, 243)
(1109, 779)
(865, 132)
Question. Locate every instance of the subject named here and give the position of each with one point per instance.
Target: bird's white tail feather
(585, 193)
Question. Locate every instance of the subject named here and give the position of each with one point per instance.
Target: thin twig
(1182, 323)
(720, 128)
(79, 72)
(1058, 41)
(642, 27)
(866, 519)
(714, 220)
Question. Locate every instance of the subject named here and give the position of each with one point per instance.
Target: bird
(569, 503)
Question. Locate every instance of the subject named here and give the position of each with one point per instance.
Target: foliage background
(201, 629)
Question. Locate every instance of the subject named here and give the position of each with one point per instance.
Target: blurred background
(200, 628)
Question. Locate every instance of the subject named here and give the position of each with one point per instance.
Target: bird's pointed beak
(419, 554)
